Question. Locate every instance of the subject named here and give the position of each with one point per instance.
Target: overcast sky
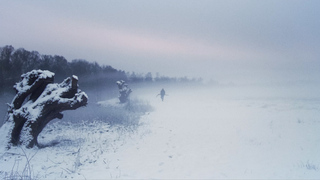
(226, 40)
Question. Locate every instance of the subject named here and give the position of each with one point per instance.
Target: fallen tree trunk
(37, 102)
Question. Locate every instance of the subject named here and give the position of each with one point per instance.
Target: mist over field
(198, 131)
(202, 129)
(240, 96)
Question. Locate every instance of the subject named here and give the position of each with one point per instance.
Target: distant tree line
(15, 62)
(148, 78)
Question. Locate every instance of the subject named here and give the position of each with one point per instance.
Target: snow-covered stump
(124, 91)
(38, 101)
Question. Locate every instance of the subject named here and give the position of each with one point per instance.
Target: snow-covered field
(196, 133)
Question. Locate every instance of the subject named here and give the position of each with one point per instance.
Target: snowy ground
(209, 133)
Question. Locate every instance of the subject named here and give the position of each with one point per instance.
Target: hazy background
(241, 41)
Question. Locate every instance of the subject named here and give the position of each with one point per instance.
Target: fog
(228, 41)
(255, 115)
(303, 91)
(199, 131)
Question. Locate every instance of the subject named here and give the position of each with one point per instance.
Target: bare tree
(124, 91)
(38, 101)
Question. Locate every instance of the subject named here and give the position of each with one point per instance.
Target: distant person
(162, 93)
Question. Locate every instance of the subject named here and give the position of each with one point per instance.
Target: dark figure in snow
(162, 93)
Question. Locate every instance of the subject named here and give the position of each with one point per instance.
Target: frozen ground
(196, 133)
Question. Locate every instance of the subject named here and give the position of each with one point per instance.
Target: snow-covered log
(124, 91)
(37, 102)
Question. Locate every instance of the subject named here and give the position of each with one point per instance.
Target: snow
(53, 93)
(209, 133)
(23, 85)
(75, 77)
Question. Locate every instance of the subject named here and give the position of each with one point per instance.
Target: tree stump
(124, 91)
(38, 101)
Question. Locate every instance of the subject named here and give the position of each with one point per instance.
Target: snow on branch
(124, 91)
(37, 102)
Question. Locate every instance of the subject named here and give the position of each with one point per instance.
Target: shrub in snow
(124, 91)
(122, 114)
(38, 101)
